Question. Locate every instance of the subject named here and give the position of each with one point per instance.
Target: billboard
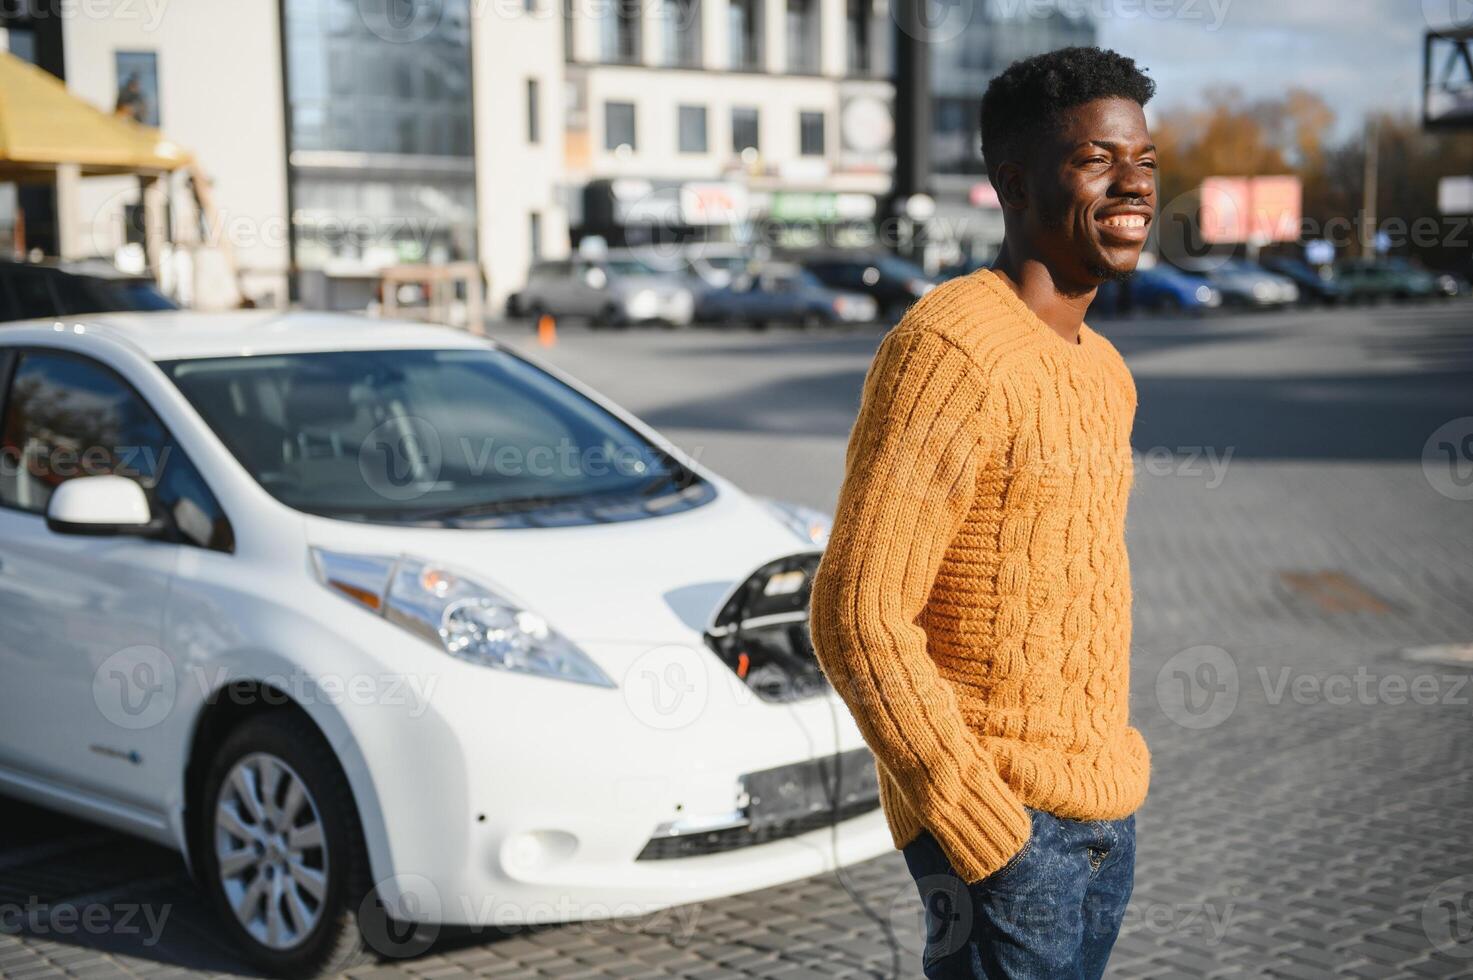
(1251, 209)
(1447, 79)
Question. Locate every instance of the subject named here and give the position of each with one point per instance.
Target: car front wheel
(281, 848)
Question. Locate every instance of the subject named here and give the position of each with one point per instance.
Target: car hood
(656, 580)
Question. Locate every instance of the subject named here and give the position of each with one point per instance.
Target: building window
(534, 127)
(744, 32)
(744, 130)
(534, 234)
(692, 129)
(619, 125)
(138, 86)
(810, 134)
(681, 33)
(803, 36)
(621, 29)
(856, 31)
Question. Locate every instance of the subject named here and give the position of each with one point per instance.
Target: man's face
(1092, 193)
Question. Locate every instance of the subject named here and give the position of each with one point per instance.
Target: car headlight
(463, 617)
(813, 526)
(1203, 294)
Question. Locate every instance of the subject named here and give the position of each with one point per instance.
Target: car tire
(534, 312)
(607, 317)
(812, 321)
(329, 882)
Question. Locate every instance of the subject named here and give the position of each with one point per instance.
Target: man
(973, 604)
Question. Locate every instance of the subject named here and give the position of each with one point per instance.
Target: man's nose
(1134, 181)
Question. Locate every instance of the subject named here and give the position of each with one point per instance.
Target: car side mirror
(101, 506)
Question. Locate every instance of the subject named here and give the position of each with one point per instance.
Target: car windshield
(473, 437)
(629, 267)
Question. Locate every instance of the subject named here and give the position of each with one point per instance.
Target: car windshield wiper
(511, 505)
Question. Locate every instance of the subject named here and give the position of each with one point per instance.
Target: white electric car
(382, 623)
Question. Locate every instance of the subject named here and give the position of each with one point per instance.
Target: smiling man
(973, 604)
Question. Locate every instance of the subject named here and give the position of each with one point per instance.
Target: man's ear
(1011, 187)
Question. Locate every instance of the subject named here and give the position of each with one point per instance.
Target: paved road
(1293, 533)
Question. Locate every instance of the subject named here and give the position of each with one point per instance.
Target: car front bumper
(539, 807)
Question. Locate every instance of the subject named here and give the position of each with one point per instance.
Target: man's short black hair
(1027, 99)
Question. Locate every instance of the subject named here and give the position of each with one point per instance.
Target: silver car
(611, 290)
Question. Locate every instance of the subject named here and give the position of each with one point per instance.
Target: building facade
(724, 119)
(342, 136)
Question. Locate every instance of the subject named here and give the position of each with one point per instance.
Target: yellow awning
(42, 124)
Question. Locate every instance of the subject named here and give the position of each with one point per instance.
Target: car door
(88, 692)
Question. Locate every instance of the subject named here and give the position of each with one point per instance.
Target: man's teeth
(1125, 221)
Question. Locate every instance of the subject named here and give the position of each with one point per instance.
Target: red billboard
(1251, 209)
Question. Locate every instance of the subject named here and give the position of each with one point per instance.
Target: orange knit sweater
(973, 605)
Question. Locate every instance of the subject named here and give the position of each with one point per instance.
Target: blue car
(783, 293)
(1160, 289)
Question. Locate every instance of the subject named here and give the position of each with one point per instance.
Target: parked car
(783, 293)
(324, 602)
(893, 282)
(1318, 283)
(717, 265)
(40, 289)
(1411, 280)
(1242, 283)
(1160, 289)
(612, 290)
(1372, 280)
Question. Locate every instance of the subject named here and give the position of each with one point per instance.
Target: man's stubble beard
(1053, 220)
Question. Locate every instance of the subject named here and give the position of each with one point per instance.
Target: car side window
(67, 416)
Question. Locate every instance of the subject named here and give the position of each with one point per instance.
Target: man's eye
(1149, 164)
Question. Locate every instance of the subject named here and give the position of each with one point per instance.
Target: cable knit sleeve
(911, 471)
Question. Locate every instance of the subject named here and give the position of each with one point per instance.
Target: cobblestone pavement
(1311, 810)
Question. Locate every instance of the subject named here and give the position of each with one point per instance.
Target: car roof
(176, 334)
(86, 268)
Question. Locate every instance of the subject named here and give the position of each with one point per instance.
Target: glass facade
(1001, 32)
(379, 132)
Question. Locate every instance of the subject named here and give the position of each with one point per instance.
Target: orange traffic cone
(546, 330)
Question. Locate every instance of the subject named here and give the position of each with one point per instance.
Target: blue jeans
(1051, 913)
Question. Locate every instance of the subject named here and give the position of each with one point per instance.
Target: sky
(1358, 55)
